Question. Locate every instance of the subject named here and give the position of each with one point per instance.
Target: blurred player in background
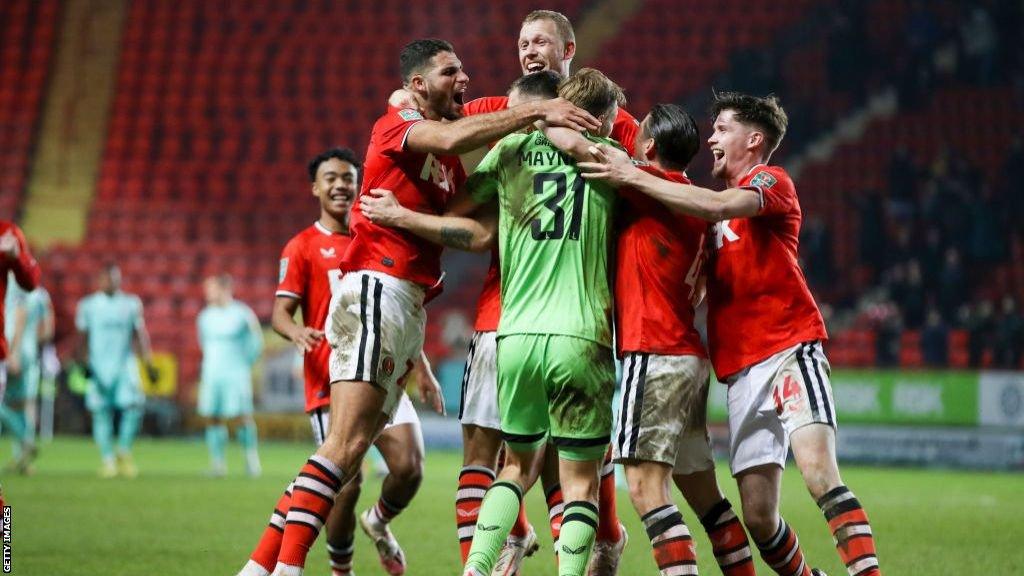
(232, 341)
(112, 333)
(29, 325)
(377, 319)
(309, 272)
(14, 258)
(764, 332)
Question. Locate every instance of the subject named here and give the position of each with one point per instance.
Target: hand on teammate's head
(561, 112)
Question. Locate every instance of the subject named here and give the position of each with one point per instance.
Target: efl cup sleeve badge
(388, 365)
(763, 180)
(409, 114)
(283, 271)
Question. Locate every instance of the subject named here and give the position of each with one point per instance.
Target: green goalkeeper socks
(498, 513)
(576, 541)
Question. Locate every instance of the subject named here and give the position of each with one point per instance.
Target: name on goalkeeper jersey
(545, 158)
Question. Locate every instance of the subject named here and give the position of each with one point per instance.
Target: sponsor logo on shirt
(328, 252)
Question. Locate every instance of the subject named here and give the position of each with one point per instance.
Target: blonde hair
(592, 91)
(562, 24)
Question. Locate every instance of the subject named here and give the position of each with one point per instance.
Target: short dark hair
(343, 154)
(543, 84)
(416, 54)
(675, 135)
(763, 112)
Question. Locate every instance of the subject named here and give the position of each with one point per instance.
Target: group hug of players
(587, 238)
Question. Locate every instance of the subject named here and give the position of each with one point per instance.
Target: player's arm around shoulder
(472, 132)
(615, 167)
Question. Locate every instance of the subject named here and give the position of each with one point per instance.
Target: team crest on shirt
(763, 179)
(283, 270)
(388, 365)
(409, 114)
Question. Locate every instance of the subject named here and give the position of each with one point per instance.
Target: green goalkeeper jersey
(554, 239)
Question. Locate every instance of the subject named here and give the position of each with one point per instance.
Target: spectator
(979, 322)
(952, 285)
(935, 340)
(1009, 336)
(978, 36)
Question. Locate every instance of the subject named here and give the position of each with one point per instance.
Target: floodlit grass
(174, 520)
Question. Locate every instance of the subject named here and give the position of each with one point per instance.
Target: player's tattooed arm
(615, 167)
(475, 234)
(472, 132)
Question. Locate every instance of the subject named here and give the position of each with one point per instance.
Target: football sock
(498, 513)
(579, 529)
(671, 542)
(522, 525)
(315, 488)
(384, 511)
(473, 484)
(131, 420)
(608, 527)
(341, 558)
(216, 438)
(556, 506)
(269, 545)
(851, 530)
(782, 552)
(103, 432)
(728, 540)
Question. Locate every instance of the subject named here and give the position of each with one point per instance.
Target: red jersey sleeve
(25, 268)
(625, 129)
(395, 129)
(778, 195)
(485, 105)
(294, 273)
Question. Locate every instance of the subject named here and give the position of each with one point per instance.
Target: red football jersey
(25, 268)
(488, 308)
(309, 272)
(660, 261)
(758, 300)
(420, 182)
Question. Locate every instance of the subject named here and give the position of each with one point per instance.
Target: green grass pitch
(173, 520)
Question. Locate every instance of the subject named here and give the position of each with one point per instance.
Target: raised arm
(475, 234)
(472, 132)
(615, 167)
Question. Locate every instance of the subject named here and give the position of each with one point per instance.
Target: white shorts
(771, 399)
(662, 414)
(320, 419)
(375, 329)
(479, 404)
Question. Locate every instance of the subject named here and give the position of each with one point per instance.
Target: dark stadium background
(171, 138)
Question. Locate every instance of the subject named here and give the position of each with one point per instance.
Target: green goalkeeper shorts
(557, 386)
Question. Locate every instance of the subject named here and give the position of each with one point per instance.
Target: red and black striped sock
(341, 557)
(384, 511)
(728, 540)
(473, 484)
(783, 554)
(851, 531)
(269, 545)
(313, 495)
(556, 506)
(671, 541)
